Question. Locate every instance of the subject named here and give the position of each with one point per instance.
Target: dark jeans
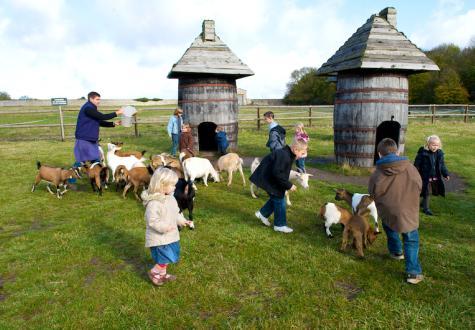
(300, 163)
(277, 206)
(411, 248)
(175, 143)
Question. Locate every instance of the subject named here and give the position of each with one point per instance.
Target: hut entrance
(206, 136)
(387, 129)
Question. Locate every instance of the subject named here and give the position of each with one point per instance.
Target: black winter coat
(273, 172)
(431, 164)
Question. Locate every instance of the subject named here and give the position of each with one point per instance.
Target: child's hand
(293, 188)
(188, 223)
(447, 178)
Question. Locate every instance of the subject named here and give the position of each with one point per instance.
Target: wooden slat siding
(210, 99)
(209, 55)
(372, 89)
(375, 44)
(362, 103)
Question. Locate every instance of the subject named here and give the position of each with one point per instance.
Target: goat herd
(129, 169)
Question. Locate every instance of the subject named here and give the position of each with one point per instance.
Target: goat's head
(371, 235)
(75, 172)
(302, 179)
(214, 174)
(342, 194)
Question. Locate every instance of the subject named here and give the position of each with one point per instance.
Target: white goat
(113, 161)
(231, 163)
(196, 167)
(333, 214)
(300, 178)
(354, 200)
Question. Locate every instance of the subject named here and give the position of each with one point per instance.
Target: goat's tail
(38, 164)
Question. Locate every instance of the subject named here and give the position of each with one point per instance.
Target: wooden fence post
(465, 114)
(61, 123)
(310, 116)
(136, 127)
(433, 113)
(258, 119)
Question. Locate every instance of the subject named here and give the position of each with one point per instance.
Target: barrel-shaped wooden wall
(365, 100)
(210, 99)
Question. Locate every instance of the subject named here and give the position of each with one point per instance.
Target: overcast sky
(125, 48)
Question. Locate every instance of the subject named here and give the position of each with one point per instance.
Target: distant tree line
(454, 83)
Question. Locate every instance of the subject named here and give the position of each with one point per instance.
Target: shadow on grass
(123, 245)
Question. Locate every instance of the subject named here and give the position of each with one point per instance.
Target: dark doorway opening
(206, 136)
(387, 129)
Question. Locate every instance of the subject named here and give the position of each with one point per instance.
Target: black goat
(184, 195)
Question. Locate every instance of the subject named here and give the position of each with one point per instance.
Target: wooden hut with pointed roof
(207, 74)
(371, 102)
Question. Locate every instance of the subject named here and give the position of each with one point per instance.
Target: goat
(299, 177)
(56, 176)
(114, 161)
(169, 161)
(97, 174)
(196, 167)
(136, 154)
(138, 176)
(120, 177)
(185, 195)
(231, 163)
(357, 227)
(354, 200)
(333, 214)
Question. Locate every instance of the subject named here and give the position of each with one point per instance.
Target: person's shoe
(414, 278)
(263, 219)
(155, 278)
(397, 256)
(427, 212)
(283, 229)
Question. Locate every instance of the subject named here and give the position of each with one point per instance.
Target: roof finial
(208, 30)
(389, 14)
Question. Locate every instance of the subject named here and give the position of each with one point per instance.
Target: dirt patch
(350, 290)
(101, 266)
(456, 184)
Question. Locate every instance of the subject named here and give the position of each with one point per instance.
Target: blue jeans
(411, 248)
(277, 206)
(300, 163)
(175, 143)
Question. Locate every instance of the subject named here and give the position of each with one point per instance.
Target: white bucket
(128, 116)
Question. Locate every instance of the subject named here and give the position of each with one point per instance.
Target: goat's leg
(287, 198)
(358, 237)
(252, 190)
(126, 188)
(327, 229)
(205, 180)
(344, 239)
(230, 177)
(136, 189)
(190, 210)
(48, 187)
(242, 176)
(375, 218)
(37, 180)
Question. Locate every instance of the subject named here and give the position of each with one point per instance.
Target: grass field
(80, 262)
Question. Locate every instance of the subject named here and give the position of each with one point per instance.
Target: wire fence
(59, 123)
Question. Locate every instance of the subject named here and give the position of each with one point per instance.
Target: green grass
(80, 262)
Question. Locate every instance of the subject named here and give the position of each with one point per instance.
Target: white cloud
(448, 24)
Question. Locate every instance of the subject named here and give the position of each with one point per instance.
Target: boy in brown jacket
(395, 186)
(187, 141)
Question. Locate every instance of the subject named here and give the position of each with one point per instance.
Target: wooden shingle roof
(209, 55)
(377, 44)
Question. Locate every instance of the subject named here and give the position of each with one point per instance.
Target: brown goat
(138, 177)
(120, 177)
(98, 175)
(171, 162)
(56, 176)
(358, 228)
(137, 154)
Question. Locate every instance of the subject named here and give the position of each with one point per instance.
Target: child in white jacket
(162, 216)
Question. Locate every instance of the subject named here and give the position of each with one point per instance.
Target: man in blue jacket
(272, 175)
(89, 120)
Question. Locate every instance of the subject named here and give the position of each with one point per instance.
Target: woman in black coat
(431, 166)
